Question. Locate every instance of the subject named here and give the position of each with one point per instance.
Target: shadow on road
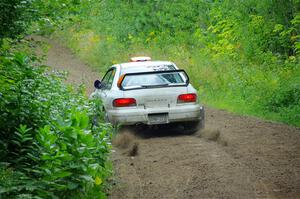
(147, 132)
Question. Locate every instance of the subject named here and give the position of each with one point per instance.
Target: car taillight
(190, 97)
(123, 102)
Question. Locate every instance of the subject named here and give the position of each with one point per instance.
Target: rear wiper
(154, 86)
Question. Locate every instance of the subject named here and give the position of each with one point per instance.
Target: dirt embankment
(235, 157)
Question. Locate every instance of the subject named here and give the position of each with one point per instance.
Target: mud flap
(202, 116)
(194, 126)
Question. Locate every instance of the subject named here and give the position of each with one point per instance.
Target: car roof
(142, 65)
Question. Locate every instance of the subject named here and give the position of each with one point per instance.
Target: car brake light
(190, 97)
(123, 102)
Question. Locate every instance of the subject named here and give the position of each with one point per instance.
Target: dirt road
(236, 157)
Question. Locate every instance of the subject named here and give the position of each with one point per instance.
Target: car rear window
(145, 80)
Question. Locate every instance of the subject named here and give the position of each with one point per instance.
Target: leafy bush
(19, 17)
(15, 16)
(49, 147)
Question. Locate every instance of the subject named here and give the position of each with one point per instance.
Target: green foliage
(73, 155)
(53, 13)
(18, 17)
(49, 146)
(15, 16)
(244, 59)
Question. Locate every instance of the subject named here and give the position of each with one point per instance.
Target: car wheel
(192, 127)
(97, 118)
(106, 119)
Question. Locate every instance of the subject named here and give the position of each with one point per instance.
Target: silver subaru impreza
(150, 93)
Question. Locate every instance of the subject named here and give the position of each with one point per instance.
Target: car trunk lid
(156, 97)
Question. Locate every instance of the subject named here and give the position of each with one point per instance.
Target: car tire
(106, 119)
(192, 127)
(96, 118)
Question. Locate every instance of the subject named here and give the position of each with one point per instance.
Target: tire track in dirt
(181, 167)
(261, 159)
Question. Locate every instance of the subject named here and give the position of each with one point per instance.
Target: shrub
(49, 147)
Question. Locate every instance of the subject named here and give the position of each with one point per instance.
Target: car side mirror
(97, 84)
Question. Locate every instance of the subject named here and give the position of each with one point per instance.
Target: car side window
(108, 79)
(111, 78)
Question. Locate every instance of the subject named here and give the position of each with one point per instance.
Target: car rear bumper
(180, 113)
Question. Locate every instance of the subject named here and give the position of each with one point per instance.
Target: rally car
(152, 93)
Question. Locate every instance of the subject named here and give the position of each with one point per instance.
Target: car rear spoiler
(122, 77)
